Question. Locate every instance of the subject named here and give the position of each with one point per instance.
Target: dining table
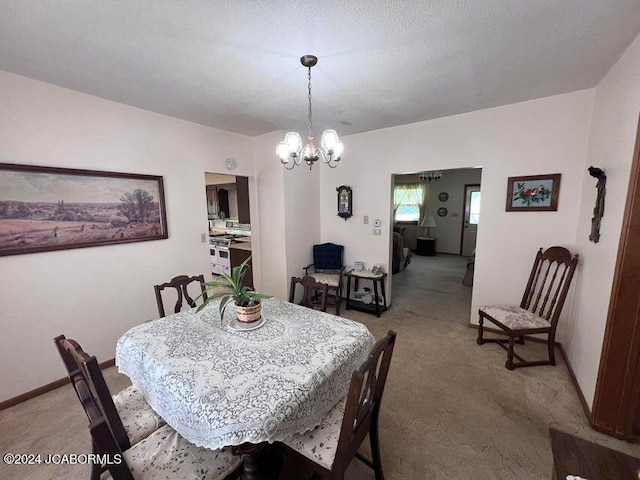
(221, 384)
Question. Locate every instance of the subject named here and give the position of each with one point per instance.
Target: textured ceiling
(234, 65)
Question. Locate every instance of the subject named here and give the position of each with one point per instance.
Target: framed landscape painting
(533, 193)
(46, 208)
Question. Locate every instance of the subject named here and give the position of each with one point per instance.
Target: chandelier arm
(293, 165)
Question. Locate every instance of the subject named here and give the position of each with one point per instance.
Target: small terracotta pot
(249, 314)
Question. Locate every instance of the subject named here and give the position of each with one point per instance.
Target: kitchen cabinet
(242, 190)
(239, 252)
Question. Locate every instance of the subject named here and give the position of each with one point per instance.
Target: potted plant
(230, 288)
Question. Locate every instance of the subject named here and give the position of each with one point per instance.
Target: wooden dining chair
(180, 283)
(129, 415)
(330, 447)
(164, 454)
(314, 294)
(539, 309)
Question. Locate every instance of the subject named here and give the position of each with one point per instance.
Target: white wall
(547, 135)
(302, 216)
(270, 181)
(95, 294)
(611, 144)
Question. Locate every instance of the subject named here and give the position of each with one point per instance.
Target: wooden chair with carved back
(314, 294)
(180, 283)
(539, 309)
(331, 446)
(164, 454)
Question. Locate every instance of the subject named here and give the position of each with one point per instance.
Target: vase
(249, 314)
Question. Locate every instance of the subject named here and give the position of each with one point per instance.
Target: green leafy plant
(230, 288)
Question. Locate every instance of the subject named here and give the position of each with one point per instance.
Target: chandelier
(430, 175)
(292, 152)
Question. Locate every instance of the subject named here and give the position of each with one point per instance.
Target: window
(407, 201)
(474, 208)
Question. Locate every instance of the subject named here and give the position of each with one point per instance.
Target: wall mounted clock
(443, 196)
(442, 212)
(231, 163)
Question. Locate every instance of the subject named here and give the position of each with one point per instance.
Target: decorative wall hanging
(46, 208)
(533, 193)
(598, 210)
(345, 201)
(443, 196)
(443, 212)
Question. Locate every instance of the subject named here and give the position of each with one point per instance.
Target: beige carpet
(451, 410)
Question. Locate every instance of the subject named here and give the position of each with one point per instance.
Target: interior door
(471, 219)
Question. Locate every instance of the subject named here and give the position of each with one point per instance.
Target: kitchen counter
(241, 246)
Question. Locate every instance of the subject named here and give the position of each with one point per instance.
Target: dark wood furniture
(76, 361)
(180, 283)
(242, 193)
(328, 268)
(426, 246)
(374, 306)
(360, 418)
(578, 457)
(314, 294)
(539, 309)
(238, 253)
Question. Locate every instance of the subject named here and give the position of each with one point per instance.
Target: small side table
(426, 246)
(361, 306)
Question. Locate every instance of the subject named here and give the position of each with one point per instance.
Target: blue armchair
(327, 268)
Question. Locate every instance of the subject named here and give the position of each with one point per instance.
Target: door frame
(464, 212)
(617, 398)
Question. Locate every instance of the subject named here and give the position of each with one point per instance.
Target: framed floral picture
(533, 193)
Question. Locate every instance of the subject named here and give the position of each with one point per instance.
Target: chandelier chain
(309, 123)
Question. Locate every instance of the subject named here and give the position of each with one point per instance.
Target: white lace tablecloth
(219, 387)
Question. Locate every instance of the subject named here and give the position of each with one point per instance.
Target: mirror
(345, 201)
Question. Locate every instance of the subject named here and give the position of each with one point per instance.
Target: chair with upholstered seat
(328, 267)
(330, 447)
(163, 454)
(539, 309)
(180, 283)
(128, 413)
(314, 294)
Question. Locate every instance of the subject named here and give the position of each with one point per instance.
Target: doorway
(434, 278)
(470, 220)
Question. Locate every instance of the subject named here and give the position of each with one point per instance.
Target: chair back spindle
(549, 283)
(314, 294)
(180, 284)
(77, 361)
(363, 400)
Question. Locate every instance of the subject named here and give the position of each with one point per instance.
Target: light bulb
(293, 141)
(282, 151)
(329, 140)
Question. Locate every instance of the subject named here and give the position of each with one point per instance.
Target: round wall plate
(231, 163)
(442, 212)
(443, 196)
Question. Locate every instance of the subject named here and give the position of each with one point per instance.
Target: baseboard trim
(559, 346)
(583, 401)
(61, 382)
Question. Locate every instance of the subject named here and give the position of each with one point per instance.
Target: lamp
(430, 175)
(429, 222)
(291, 151)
